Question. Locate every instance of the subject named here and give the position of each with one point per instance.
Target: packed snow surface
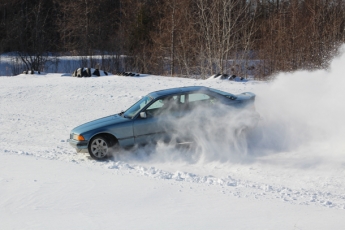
(288, 173)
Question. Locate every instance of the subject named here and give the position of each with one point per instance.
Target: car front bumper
(79, 145)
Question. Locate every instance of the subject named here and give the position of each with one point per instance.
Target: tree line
(176, 37)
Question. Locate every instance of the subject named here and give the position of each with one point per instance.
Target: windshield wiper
(122, 114)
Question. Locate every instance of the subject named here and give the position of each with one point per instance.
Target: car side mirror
(142, 114)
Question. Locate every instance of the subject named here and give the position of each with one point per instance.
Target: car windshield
(134, 109)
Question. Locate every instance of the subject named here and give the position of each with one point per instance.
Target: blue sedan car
(151, 119)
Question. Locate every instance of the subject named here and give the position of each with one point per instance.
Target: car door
(159, 121)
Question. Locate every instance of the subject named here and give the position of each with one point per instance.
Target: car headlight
(78, 137)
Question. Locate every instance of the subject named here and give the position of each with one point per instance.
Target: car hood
(101, 122)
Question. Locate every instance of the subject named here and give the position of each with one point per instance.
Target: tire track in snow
(228, 185)
(239, 187)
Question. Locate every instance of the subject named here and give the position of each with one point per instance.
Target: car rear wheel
(99, 147)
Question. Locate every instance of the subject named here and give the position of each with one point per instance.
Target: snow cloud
(303, 114)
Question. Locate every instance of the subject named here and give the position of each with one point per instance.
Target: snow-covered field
(290, 174)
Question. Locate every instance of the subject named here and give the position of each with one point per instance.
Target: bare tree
(226, 28)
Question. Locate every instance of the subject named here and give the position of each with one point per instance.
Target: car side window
(182, 99)
(198, 97)
(163, 106)
(195, 99)
(156, 105)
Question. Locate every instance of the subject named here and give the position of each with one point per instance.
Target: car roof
(185, 89)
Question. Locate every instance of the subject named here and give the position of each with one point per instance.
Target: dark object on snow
(224, 76)
(128, 74)
(79, 72)
(217, 75)
(87, 72)
(31, 72)
(232, 77)
(96, 72)
(82, 72)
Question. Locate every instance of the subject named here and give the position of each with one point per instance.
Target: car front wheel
(99, 148)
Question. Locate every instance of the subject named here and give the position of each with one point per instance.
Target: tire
(99, 147)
